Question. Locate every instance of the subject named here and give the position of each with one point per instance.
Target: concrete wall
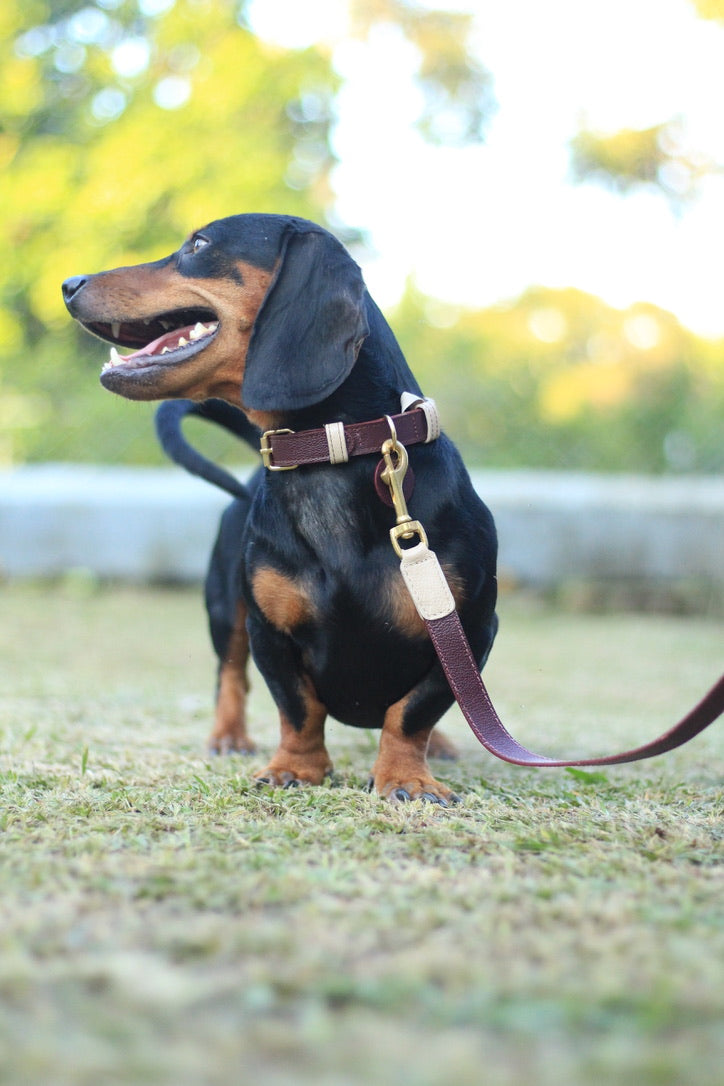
(561, 526)
(159, 524)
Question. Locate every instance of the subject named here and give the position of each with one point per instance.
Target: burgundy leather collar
(282, 450)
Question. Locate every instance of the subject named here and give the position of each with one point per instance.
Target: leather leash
(467, 685)
(434, 602)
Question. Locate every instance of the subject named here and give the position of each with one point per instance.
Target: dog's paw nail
(370, 784)
(293, 783)
(402, 795)
(262, 780)
(430, 797)
(454, 798)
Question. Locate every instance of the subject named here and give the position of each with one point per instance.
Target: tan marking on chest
(401, 609)
(283, 601)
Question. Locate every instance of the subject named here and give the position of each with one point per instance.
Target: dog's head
(266, 311)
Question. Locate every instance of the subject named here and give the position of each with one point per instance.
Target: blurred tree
(95, 173)
(558, 379)
(655, 157)
(458, 91)
(126, 123)
(710, 9)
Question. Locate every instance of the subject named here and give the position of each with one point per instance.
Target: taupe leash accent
(433, 599)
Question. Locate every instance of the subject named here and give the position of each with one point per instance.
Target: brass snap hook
(396, 462)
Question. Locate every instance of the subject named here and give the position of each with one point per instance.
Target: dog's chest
(329, 547)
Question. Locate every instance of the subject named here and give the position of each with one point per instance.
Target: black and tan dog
(270, 314)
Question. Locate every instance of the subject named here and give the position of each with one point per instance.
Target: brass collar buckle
(265, 448)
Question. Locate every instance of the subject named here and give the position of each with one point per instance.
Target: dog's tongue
(169, 340)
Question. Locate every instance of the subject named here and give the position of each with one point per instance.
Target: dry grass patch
(165, 921)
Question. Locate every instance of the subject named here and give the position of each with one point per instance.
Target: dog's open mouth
(167, 339)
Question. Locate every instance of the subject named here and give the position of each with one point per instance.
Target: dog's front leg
(401, 771)
(301, 756)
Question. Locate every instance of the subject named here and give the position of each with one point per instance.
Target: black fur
(321, 351)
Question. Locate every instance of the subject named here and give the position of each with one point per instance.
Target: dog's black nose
(72, 286)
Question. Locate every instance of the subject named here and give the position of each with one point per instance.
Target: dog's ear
(310, 326)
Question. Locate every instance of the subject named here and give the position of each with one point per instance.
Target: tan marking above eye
(283, 601)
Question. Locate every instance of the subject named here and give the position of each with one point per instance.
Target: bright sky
(478, 225)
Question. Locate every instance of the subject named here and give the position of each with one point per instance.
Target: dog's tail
(169, 419)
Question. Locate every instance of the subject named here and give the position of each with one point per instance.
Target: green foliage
(710, 9)
(458, 91)
(84, 187)
(654, 157)
(126, 123)
(629, 157)
(558, 379)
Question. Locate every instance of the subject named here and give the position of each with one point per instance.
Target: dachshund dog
(264, 324)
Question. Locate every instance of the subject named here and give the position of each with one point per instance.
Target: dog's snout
(72, 286)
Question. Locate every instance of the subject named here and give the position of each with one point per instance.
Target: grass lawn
(164, 921)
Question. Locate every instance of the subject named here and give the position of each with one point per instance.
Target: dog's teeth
(182, 342)
(165, 325)
(198, 331)
(116, 329)
(115, 357)
(146, 320)
(164, 350)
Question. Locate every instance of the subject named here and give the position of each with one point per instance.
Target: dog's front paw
(290, 772)
(277, 780)
(399, 789)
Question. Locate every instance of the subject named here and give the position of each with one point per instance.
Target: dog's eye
(198, 242)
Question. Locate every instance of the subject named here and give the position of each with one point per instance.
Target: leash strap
(434, 602)
(432, 598)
